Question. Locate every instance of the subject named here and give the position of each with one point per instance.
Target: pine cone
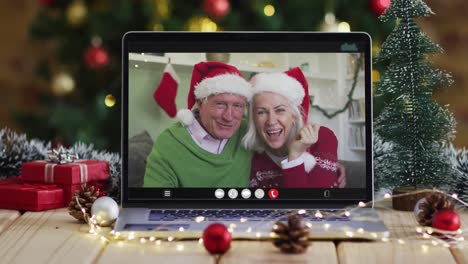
(85, 198)
(435, 201)
(292, 237)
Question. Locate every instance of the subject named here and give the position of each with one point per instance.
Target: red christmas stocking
(166, 92)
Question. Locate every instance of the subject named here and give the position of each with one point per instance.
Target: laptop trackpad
(155, 227)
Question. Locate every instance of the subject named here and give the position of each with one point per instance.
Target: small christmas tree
(415, 125)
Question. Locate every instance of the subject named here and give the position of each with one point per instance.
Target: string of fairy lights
(431, 237)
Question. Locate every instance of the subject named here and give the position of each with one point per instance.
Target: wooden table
(55, 237)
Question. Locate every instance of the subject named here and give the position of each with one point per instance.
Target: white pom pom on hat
(185, 116)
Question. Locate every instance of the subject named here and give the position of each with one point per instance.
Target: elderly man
(204, 149)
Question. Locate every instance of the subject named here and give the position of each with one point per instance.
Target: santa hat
(291, 84)
(210, 78)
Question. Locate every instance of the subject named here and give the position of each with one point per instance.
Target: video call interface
(249, 137)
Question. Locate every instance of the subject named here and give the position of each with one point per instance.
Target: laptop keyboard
(250, 215)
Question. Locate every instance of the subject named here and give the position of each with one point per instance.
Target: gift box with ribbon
(19, 195)
(63, 168)
(76, 172)
(68, 176)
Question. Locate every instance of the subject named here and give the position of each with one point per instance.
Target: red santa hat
(209, 78)
(291, 84)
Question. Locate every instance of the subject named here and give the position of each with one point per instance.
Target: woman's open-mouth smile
(274, 134)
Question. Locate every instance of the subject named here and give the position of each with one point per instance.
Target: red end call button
(273, 193)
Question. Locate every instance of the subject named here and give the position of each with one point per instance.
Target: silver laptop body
(329, 60)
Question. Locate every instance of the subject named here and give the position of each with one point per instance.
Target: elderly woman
(290, 152)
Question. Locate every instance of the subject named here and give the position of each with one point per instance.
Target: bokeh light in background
(109, 101)
(43, 76)
(203, 24)
(375, 76)
(269, 10)
(62, 84)
(344, 27)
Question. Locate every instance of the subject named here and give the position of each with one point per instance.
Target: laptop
(337, 67)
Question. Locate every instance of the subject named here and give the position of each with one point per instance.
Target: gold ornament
(375, 76)
(329, 23)
(203, 24)
(77, 13)
(109, 101)
(101, 6)
(375, 48)
(158, 27)
(161, 9)
(62, 84)
(269, 10)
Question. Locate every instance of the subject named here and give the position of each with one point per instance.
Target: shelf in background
(320, 76)
(136, 57)
(358, 148)
(156, 59)
(351, 76)
(357, 121)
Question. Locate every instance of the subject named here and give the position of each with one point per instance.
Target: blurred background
(60, 59)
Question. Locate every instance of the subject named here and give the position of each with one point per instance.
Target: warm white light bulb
(318, 214)
(344, 27)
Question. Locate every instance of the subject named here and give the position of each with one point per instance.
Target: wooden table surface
(55, 237)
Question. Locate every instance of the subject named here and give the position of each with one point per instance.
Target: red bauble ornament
(447, 220)
(216, 239)
(46, 2)
(379, 6)
(216, 9)
(96, 57)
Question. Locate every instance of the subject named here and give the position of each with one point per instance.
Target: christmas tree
(80, 42)
(81, 51)
(411, 121)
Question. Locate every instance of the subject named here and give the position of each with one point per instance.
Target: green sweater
(177, 161)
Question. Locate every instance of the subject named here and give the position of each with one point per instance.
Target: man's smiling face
(221, 114)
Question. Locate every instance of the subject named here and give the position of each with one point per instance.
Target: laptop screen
(246, 119)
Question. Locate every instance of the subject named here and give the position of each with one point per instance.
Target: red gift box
(77, 172)
(69, 176)
(18, 195)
